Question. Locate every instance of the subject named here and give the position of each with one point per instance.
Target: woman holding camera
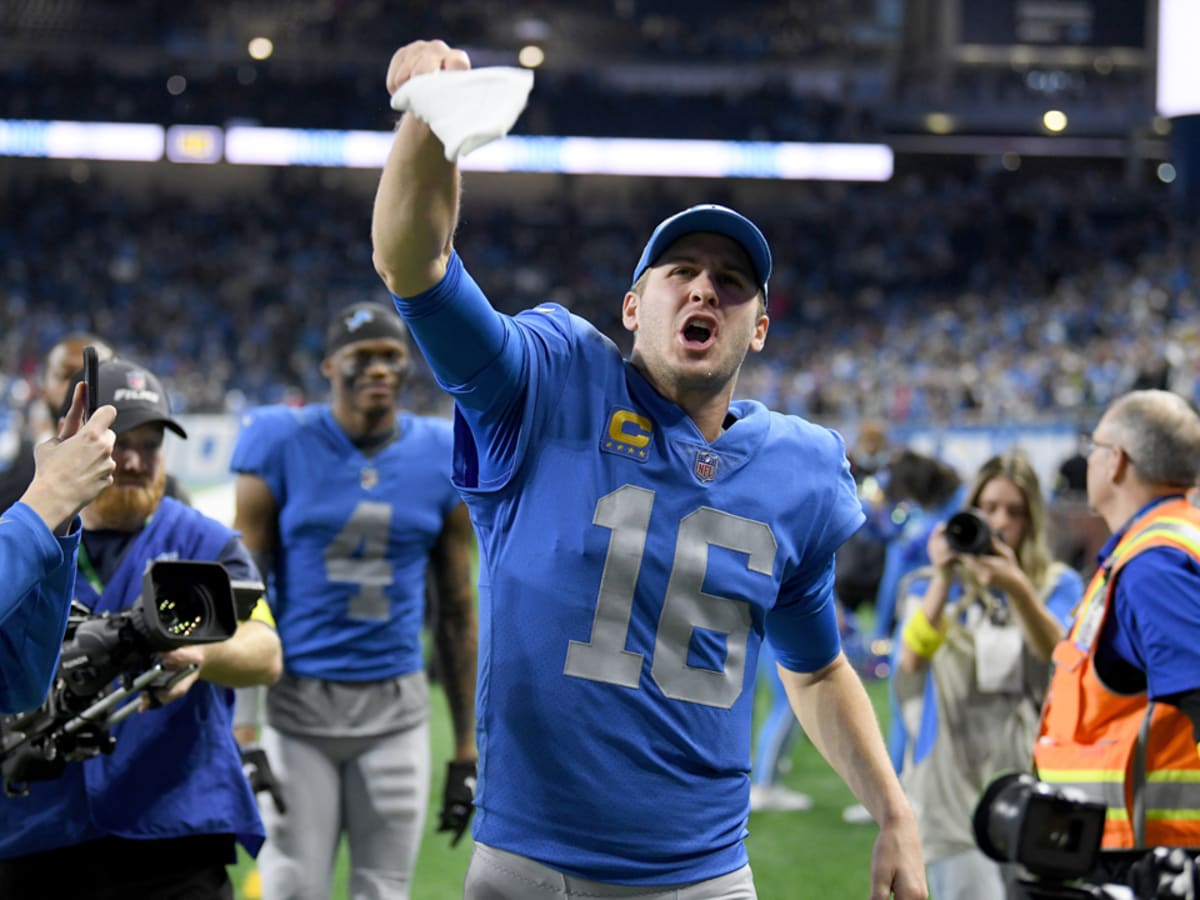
(973, 664)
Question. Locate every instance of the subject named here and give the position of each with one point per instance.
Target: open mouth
(698, 333)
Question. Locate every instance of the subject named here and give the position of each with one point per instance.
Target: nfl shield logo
(136, 379)
(705, 466)
(368, 478)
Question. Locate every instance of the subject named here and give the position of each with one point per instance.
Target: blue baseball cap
(718, 220)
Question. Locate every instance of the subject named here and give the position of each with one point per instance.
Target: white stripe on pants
(376, 789)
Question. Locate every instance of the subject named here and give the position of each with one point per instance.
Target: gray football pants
(376, 789)
(499, 875)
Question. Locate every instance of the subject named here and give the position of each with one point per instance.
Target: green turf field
(795, 856)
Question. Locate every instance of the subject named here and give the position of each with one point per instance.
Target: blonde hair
(1033, 554)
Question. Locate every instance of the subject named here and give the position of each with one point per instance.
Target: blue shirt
(355, 534)
(37, 570)
(629, 570)
(174, 771)
(1152, 629)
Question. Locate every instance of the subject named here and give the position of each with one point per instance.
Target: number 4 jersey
(628, 571)
(355, 531)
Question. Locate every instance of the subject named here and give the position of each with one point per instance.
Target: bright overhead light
(1055, 120)
(531, 56)
(260, 48)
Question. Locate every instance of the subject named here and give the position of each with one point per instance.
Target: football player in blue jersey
(347, 505)
(159, 816)
(640, 533)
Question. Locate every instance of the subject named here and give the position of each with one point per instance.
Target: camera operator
(159, 816)
(974, 664)
(39, 537)
(1127, 675)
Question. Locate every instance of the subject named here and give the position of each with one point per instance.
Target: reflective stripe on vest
(1138, 758)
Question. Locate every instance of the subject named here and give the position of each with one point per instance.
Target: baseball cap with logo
(718, 220)
(136, 393)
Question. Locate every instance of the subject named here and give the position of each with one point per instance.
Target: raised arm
(73, 468)
(416, 204)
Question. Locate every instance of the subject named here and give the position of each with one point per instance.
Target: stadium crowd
(893, 301)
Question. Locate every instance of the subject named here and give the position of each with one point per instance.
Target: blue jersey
(628, 570)
(175, 771)
(355, 532)
(38, 571)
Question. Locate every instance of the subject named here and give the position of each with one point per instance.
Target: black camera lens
(1020, 819)
(968, 532)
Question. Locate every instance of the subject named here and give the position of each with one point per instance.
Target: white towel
(466, 109)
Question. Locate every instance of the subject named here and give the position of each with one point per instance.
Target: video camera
(1055, 839)
(107, 658)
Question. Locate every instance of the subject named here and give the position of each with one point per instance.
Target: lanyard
(88, 570)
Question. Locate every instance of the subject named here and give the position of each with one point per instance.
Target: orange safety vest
(1137, 757)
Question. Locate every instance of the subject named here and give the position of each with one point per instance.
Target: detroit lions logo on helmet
(358, 319)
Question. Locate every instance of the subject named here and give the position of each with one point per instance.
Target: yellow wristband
(920, 635)
(262, 613)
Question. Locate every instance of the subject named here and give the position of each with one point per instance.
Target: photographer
(39, 537)
(974, 664)
(1127, 680)
(158, 817)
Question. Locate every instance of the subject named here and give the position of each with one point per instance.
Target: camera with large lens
(108, 658)
(1055, 839)
(967, 532)
(1020, 819)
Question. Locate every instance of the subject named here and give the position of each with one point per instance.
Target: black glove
(1165, 874)
(258, 771)
(458, 799)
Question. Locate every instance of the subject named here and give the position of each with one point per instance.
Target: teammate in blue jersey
(347, 505)
(158, 817)
(640, 532)
(39, 537)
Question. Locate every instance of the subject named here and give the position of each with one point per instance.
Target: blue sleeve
(38, 571)
(804, 634)
(235, 559)
(1157, 612)
(461, 335)
(1065, 596)
(260, 445)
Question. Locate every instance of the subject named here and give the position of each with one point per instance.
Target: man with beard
(159, 816)
(346, 507)
(60, 366)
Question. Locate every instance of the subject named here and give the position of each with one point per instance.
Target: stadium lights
(247, 145)
(260, 48)
(1055, 120)
(81, 140)
(577, 155)
(939, 123)
(531, 56)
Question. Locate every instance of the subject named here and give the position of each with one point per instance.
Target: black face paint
(353, 366)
